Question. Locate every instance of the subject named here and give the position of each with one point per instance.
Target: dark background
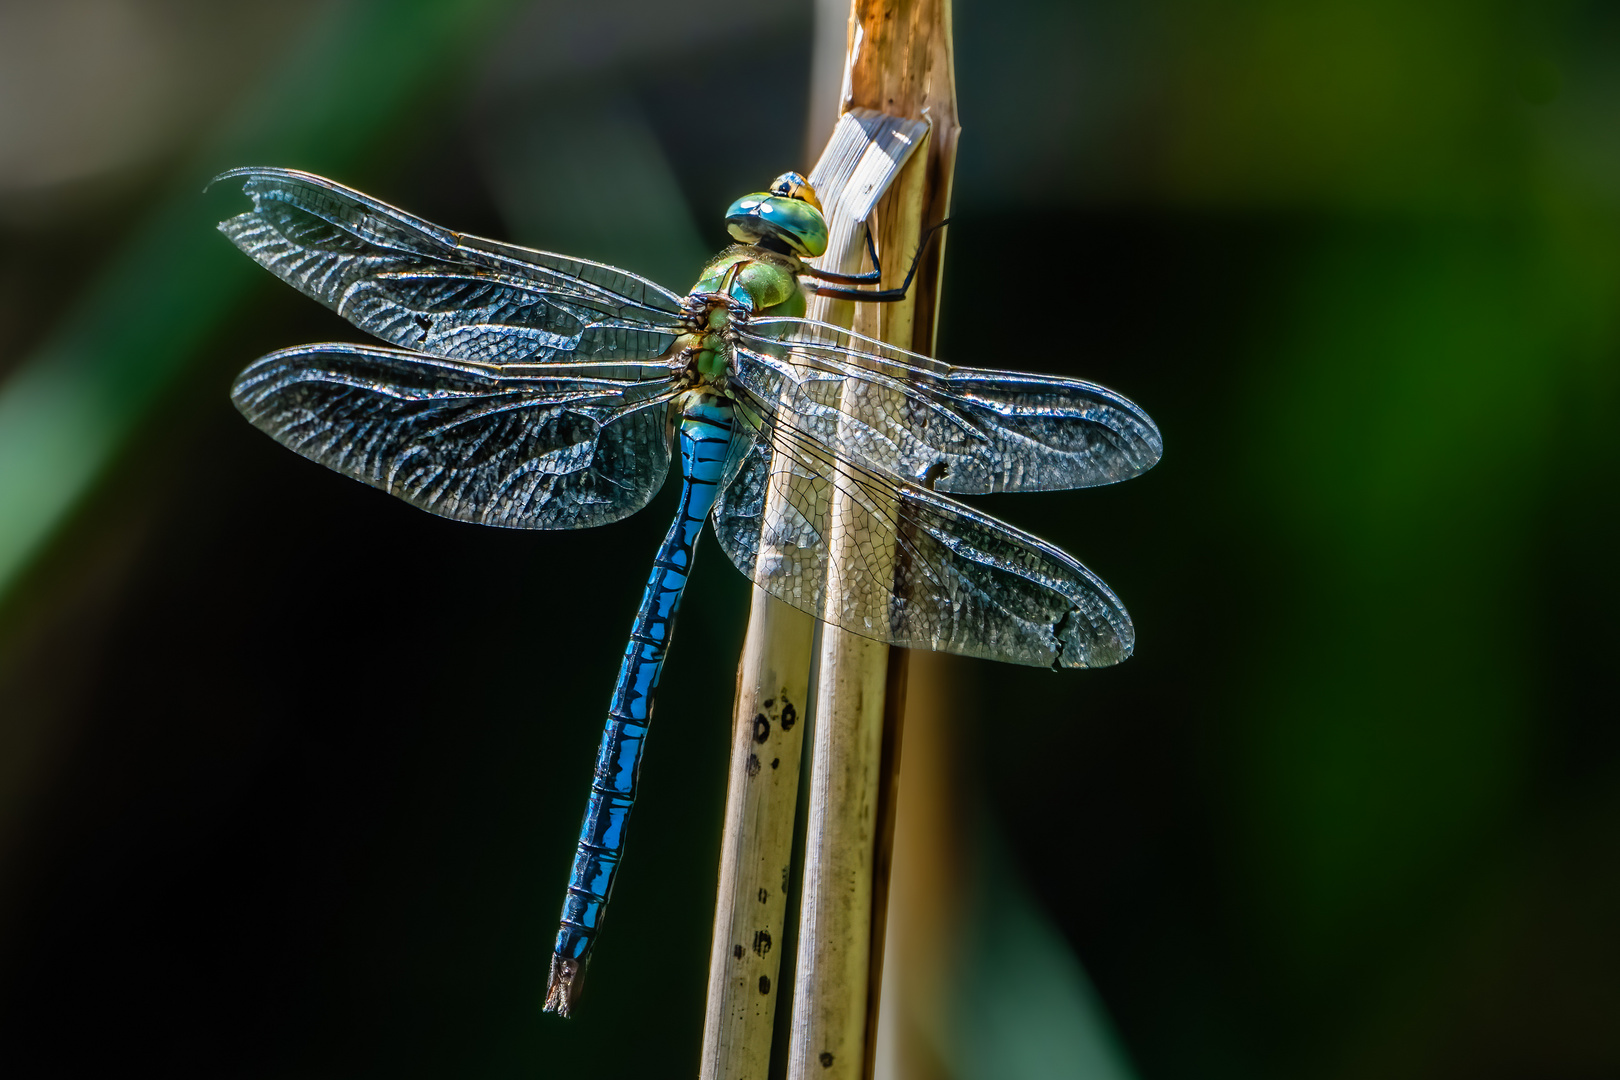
(289, 771)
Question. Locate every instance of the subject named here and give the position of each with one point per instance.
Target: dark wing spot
(1057, 636)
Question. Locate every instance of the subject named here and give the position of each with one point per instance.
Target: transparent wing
(962, 430)
(541, 447)
(889, 560)
(423, 287)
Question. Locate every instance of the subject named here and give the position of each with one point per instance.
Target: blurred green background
(289, 771)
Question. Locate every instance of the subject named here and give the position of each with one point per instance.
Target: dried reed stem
(899, 62)
(864, 156)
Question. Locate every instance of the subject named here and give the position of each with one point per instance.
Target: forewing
(962, 430)
(544, 447)
(889, 560)
(423, 287)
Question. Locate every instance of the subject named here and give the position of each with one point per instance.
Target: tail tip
(567, 979)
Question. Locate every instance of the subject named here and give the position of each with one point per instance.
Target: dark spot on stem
(753, 765)
(762, 728)
(764, 984)
(763, 895)
(739, 952)
(762, 942)
(826, 1059)
(775, 761)
(790, 716)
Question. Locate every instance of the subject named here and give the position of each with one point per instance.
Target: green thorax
(765, 281)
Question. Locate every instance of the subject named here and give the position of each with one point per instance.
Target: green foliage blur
(288, 772)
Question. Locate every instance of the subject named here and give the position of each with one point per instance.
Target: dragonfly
(524, 389)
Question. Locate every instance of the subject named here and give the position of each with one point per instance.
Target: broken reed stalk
(864, 156)
(833, 965)
(899, 61)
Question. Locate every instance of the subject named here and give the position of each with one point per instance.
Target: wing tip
(229, 174)
(265, 170)
(248, 171)
(1084, 641)
(1155, 441)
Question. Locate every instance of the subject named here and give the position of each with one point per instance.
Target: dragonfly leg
(881, 296)
(870, 277)
(705, 436)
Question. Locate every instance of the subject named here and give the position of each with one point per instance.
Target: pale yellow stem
(860, 163)
(899, 61)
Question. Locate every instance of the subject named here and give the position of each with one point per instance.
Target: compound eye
(793, 185)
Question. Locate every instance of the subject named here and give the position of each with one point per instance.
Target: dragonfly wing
(546, 447)
(423, 287)
(950, 579)
(963, 430)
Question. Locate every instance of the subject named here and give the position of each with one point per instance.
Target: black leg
(885, 296)
(882, 296)
(871, 277)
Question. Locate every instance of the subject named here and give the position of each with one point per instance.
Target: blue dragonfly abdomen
(705, 438)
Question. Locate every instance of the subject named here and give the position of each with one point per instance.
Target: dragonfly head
(787, 217)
